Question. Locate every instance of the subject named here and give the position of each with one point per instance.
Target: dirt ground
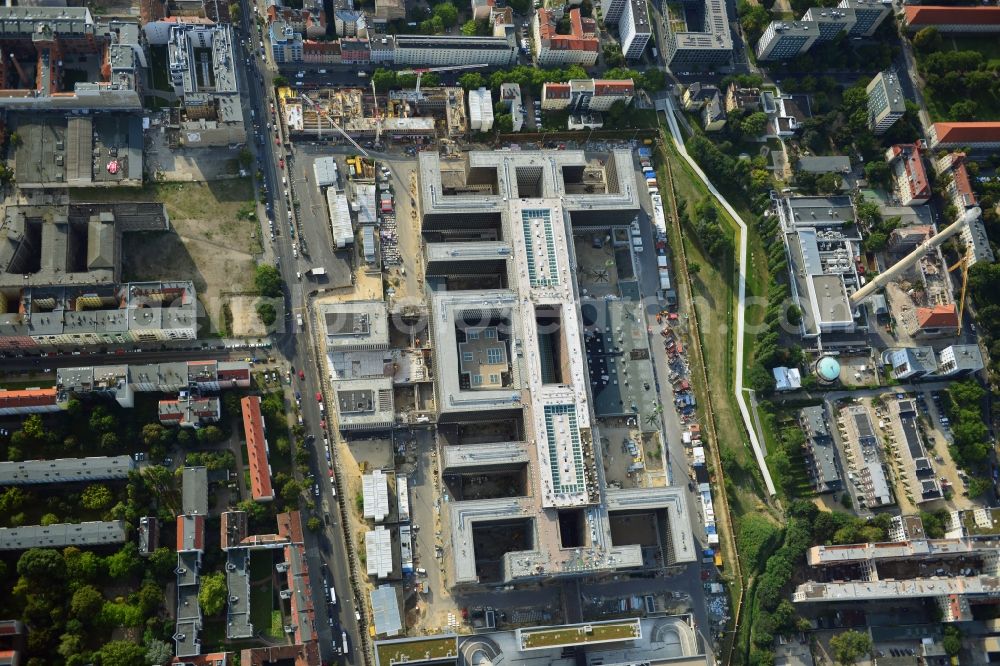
(209, 242)
(167, 164)
(246, 322)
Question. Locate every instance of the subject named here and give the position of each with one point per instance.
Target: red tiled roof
(924, 15)
(199, 532)
(612, 87)
(939, 316)
(972, 132)
(253, 427)
(310, 46)
(213, 659)
(914, 169)
(960, 179)
(577, 40)
(556, 91)
(290, 526)
(39, 397)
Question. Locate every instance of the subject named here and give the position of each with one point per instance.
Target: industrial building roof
(385, 610)
(378, 552)
(66, 470)
(375, 492)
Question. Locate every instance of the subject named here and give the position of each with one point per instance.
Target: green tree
(314, 524)
(280, 81)
(267, 279)
(85, 565)
(125, 563)
(613, 56)
(266, 313)
(49, 519)
(96, 496)
(877, 173)
(86, 603)
(42, 565)
(12, 499)
(384, 79)
(760, 380)
(153, 433)
(245, 157)
(70, 645)
(162, 562)
(753, 125)
(471, 81)
(210, 434)
(212, 595)
(158, 652)
(849, 646)
(122, 653)
(254, 510)
(965, 109)
(109, 440)
(469, 29)
(927, 40)
(447, 12)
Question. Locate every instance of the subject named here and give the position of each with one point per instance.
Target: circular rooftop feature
(828, 369)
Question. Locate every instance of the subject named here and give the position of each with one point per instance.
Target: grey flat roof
(355, 324)
(238, 585)
(97, 533)
(449, 42)
(194, 495)
(65, 470)
(480, 456)
(385, 609)
(824, 164)
(472, 251)
(716, 33)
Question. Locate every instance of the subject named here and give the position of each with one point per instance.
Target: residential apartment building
(257, 450)
(188, 411)
(28, 401)
(88, 315)
(286, 43)
(443, 50)
(355, 51)
(580, 47)
(586, 95)
(322, 53)
(981, 135)
(956, 20)
(66, 470)
(634, 29)
(709, 44)
(886, 103)
(43, 46)
(909, 174)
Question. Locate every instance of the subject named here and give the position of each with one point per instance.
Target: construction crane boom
(420, 71)
(321, 112)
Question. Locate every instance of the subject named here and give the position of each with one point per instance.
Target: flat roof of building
(378, 552)
(355, 324)
(194, 493)
(66, 470)
(385, 611)
(485, 456)
(97, 533)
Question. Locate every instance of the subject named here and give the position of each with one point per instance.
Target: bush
(266, 313)
(267, 279)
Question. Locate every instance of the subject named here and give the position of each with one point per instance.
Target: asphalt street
(326, 552)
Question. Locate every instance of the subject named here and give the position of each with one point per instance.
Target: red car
(302, 375)
(281, 163)
(277, 142)
(322, 424)
(319, 397)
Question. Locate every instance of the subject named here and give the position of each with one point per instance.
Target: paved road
(328, 548)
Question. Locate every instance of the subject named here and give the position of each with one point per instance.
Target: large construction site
(328, 113)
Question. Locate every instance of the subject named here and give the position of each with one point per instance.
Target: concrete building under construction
(508, 350)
